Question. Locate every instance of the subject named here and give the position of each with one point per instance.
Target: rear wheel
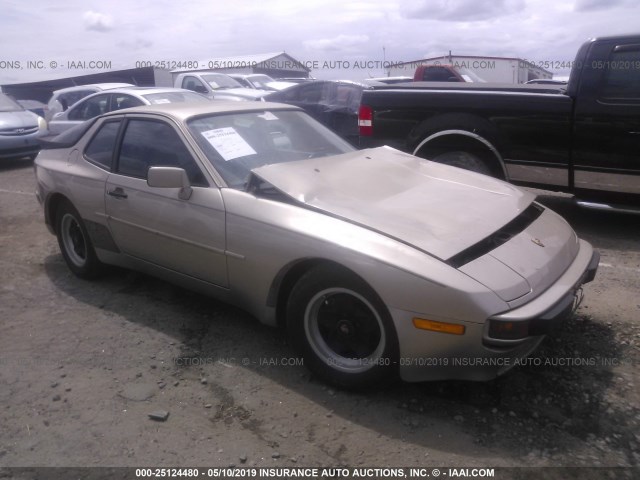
(342, 328)
(75, 243)
(462, 159)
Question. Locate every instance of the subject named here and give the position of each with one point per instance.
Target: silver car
(378, 263)
(117, 99)
(65, 97)
(20, 130)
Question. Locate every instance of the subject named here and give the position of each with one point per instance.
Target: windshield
(8, 105)
(219, 81)
(260, 81)
(236, 143)
(174, 97)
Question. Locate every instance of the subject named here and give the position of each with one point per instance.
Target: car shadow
(15, 163)
(542, 408)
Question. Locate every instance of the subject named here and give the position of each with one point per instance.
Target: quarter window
(149, 143)
(121, 100)
(100, 149)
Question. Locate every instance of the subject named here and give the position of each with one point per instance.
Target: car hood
(438, 209)
(19, 119)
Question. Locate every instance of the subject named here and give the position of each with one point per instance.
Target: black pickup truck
(582, 138)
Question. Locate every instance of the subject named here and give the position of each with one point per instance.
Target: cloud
(341, 42)
(464, 10)
(100, 22)
(591, 5)
(138, 43)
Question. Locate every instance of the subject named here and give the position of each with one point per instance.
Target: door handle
(117, 192)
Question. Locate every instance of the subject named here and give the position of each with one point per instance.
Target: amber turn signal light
(442, 327)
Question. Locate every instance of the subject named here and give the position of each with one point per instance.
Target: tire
(342, 328)
(465, 160)
(75, 243)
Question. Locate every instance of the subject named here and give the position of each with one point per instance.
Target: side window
(192, 83)
(90, 108)
(69, 98)
(101, 146)
(622, 79)
(310, 93)
(121, 100)
(149, 143)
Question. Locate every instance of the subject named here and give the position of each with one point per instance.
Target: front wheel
(342, 328)
(75, 243)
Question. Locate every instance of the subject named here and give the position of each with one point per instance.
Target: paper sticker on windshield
(228, 143)
(161, 100)
(268, 116)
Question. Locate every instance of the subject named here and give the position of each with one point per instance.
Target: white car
(217, 86)
(117, 99)
(65, 97)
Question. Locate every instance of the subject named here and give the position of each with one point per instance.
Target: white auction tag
(228, 143)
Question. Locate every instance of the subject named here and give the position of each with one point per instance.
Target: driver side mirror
(170, 177)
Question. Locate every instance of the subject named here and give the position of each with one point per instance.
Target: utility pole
(384, 59)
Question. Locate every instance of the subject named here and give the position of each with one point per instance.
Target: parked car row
(333, 103)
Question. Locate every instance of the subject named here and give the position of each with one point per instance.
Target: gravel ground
(83, 364)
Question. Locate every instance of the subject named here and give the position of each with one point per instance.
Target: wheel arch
(469, 131)
(437, 143)
(51, 208)
(288, 276)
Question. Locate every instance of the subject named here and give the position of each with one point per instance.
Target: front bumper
(476, 355)
(541, 315)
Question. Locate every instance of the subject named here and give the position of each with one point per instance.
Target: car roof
(136, 92)
(143, 90)
(183, 111)
(247, 75)
(97, 86)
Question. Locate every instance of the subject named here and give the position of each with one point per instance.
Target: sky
(40, 40)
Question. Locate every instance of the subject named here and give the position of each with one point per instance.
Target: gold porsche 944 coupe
(379, 264)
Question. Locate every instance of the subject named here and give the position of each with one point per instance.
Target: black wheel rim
(75, 244)
(345, 330)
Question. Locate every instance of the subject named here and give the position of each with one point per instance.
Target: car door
(154, 224)
(82, 111)
(607, 122)
(61, 103)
